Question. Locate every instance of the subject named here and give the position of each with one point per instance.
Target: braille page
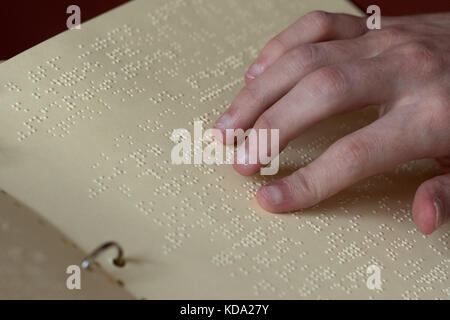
(85, 126)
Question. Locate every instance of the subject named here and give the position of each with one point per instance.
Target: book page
(35, 257)
(85, 125)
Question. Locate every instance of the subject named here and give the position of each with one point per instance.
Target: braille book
(86, 121)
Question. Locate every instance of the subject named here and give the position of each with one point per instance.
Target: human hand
(326, 64)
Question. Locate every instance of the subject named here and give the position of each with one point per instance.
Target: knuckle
(275, 44)
(328, 81)
(321, 20)
(434, 125)
(302, 56)
(337, 47)
(391, 35)
(359, 25)
(350, 153)
(302, 184)
(422, 57)
(251, 95)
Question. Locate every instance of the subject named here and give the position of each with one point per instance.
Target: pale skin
(326, 64)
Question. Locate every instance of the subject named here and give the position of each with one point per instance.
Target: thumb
(431, 207)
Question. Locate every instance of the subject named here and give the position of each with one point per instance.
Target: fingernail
(439, 212)
(273, 194)
(255, 70)
(224, 122)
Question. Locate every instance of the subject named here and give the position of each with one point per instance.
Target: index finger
(313, 27)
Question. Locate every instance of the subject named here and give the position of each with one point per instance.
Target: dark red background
(27, 23)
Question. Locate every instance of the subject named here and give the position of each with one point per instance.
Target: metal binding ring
(119, 261)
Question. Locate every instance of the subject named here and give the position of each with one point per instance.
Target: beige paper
(85, 122)
(35, 256)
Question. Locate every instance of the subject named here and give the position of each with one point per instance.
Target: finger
(287, 72)
(370, 150)
(316, 26)
(414, 20)
(431, 207)
(328, 91)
